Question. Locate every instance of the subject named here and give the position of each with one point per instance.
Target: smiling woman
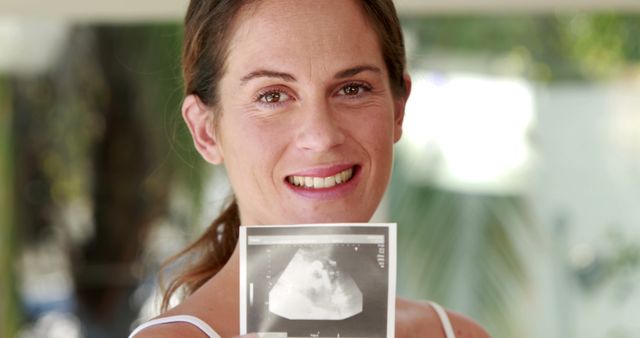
(304, 118)
(279, 120)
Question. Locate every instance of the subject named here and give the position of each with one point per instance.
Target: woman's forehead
(327, 32)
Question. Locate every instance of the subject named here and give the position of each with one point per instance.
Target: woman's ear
(199, 119)
(400, 105)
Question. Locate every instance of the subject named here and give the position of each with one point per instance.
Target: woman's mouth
(320, 182)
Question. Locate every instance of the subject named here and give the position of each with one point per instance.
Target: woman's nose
(320, 130)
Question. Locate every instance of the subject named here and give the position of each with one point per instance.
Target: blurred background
(516, 185)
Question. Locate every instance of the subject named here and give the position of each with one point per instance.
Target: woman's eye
(273, 97)
(354, 89)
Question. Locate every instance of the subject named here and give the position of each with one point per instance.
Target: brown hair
(208, 27)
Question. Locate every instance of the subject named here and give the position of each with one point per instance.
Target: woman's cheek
(374, 122)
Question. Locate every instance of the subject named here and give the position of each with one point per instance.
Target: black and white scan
(313, 286)
(318, 280)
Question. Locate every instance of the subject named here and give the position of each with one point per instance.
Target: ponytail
(210, 253)
(206, 35)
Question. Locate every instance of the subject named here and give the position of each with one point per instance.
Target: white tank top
(206, 329)
(195, 321)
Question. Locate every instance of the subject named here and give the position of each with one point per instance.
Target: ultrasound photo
(313, 286)
(327, 280)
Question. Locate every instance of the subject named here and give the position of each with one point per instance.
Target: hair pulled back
(207, 31)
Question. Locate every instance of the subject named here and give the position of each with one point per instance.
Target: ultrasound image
(313, 286)
(318, 288)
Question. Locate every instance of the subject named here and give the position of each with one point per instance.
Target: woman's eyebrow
(290, 78)
(266, 73)
(356, 70)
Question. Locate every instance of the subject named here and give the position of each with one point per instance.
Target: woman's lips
(320, 182)
(323, 182)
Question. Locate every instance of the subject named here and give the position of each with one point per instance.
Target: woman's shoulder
(175, 324)
(419, 319)
(171, 330)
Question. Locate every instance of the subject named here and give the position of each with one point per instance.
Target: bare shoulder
(418, 319)
(466, 327)
(171, 330)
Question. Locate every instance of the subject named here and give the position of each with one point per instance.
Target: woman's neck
(217, 301)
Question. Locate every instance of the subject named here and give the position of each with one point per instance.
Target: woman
(302, 101)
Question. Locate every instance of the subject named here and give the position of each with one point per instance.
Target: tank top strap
(195, 321)
(444, 320)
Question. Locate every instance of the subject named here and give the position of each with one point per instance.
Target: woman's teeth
(321, 182)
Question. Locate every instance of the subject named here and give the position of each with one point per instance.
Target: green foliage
(466, 250)
(165, 93)
(67, 109)
(463, 250)
(9, 310)
(102, 133)
(603, 44)
(554, 47)
(618, 261)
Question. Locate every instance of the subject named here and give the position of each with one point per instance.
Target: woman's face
(308, 120)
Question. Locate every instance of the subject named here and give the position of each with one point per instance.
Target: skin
(331, 107)
(315, 127)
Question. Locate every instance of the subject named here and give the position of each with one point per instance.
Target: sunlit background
(516, 185)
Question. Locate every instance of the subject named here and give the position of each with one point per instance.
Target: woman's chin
(338, 217)
(303, 214)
